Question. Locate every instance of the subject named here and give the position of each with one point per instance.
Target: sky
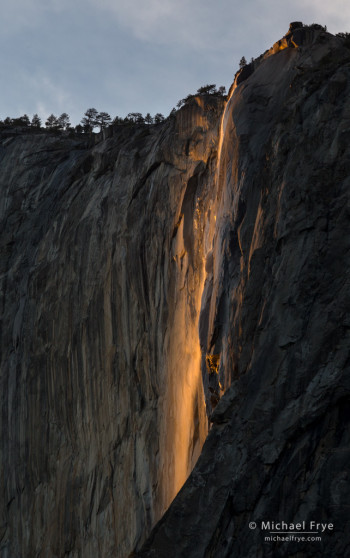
(123, 56)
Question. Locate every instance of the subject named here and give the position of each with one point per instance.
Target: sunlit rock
(103, 268)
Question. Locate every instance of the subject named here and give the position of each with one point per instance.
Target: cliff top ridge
(298, 35)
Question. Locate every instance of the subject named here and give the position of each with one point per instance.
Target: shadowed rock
(278, 448)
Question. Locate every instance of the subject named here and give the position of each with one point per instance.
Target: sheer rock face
(102, 268)
(205, 243)
(278, 306)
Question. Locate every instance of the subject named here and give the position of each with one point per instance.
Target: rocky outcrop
(204, 259)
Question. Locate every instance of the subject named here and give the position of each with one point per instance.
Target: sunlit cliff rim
(298, 35)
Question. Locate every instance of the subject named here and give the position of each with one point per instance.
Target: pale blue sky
(125, 56)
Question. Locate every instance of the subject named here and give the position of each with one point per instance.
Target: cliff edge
(278, 305)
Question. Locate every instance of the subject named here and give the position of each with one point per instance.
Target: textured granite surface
(162, 274)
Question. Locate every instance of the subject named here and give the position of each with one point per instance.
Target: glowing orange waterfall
(184, 424)
(222, 130)
(184, 427)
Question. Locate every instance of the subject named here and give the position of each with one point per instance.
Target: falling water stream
(185, 424)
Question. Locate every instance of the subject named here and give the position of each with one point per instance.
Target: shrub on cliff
(63, 122)
(89, 120)
(103, 120)
(148, 119)
(52, 122)
(185, 100)
(158, 118)
(345, 37)
(207, 89)
(242, 62)
(36, 121)
(118, 120)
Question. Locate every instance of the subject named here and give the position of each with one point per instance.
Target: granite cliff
(161, 275)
